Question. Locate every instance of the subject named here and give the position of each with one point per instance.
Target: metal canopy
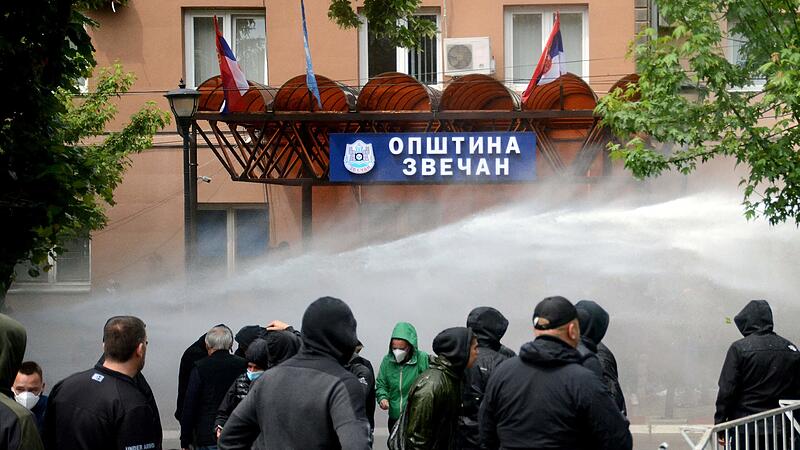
(286, 141)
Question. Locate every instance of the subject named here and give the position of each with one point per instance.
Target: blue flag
(311, 79)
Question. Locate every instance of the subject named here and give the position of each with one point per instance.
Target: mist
(670, 269)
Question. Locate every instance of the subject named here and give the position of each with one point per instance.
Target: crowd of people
(311, 389)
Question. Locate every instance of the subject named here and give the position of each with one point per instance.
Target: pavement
(645, 437)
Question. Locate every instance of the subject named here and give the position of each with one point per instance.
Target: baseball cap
(552, 312)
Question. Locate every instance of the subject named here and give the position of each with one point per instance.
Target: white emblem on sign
(97, 377)
(358, 157)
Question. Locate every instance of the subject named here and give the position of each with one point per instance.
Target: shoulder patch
(97, 377)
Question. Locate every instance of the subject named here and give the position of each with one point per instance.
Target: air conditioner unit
(463, 56)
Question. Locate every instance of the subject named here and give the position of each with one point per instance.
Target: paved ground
(643, 439)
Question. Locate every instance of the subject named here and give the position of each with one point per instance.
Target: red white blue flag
(551, 63)
(234, 83)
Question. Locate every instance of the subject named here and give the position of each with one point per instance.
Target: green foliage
(57, 172)
(758, 127)
(390, 19)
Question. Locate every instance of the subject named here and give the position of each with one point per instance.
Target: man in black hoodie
(545, 398)
(310, 400)
(759, 369)
(435, 398)
(489, 326)
(594, 322)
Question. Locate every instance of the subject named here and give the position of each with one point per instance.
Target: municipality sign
(432, 157)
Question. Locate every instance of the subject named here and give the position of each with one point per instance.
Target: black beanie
(282, 346)
(454, 345)
(329, 328)
(258, 353)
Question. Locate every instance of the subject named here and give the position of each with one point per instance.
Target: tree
(390, 19)
(56, 173)
(758, 127)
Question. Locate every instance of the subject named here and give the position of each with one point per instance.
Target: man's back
(307, 402)
(100, 408)
(759, 370)
(544, 399)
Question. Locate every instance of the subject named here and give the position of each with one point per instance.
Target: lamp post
(183, 103)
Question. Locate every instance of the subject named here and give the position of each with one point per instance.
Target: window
(377, 55)
(70, 271)
(245, 33)
(230, 236)
(733, 52)
(526, 33)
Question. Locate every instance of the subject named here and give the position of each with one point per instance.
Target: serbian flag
(234, 83)
(551, 63)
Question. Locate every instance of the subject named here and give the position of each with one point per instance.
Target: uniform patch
(97, 377)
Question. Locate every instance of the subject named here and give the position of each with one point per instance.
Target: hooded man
(399, 368)
(489, 326)
(310, 400)
(435, 398)
(594, 322)
(759, 370)
(17, 425)
(545, 398)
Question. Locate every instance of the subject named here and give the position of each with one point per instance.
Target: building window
(243, 30)
(69, 271)
(377, 55)
(526, 33)
(229, 236)
(735, 55)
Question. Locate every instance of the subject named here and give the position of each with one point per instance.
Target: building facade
(163, 42)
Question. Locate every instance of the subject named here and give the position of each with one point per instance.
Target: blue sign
(432, 157)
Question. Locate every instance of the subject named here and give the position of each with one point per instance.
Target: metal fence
(776, 429)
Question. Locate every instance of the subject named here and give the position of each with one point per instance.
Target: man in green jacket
(399, 368)
(434, 403)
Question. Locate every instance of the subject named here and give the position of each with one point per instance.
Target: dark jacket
(594, 321)
(434, 401)
(309, 401)
(210, 380)
(759, 369)
(191, 355)
(38, 411)
(232, 398)
(545, 399)
(101, 408)
(362, 369)
(17, 425)
(489, 326)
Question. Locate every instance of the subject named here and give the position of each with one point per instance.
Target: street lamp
(183, 103)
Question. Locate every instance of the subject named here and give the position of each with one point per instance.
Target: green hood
(12, 349)
(406, 332)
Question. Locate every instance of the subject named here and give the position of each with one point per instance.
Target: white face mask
(399, 355)
(27, 399)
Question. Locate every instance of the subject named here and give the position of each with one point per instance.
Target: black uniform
(759, 370)
(208, 384)
(594, 322)
(191, 355)
(362, 369)
(101, 408)
(545, 399)
(489, 325)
